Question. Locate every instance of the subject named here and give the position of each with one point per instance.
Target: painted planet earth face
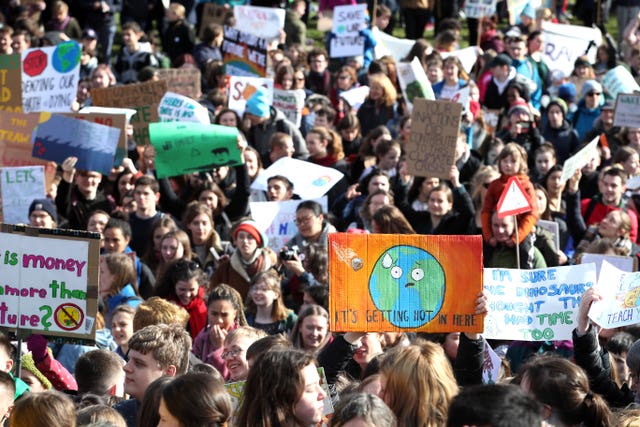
(409, 282)
(66, 57)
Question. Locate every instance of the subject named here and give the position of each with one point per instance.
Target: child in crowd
(132, 58)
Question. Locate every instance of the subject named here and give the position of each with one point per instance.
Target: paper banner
(479, 8)
(619, 80)
(563, 44)
(242, 88)
(627, 111)
(311, 181)
(244, 53)
(389, 45)
(185, 81)
(10, 83)
(384, 283)
(623, 263)
(348, 21)
(355, 97)
(434, 131)
(263, 22)
(277, 220)
(291, 103)
(620, 305)
(579, 160)
(535, 305)
(15, 139)
(20, 186)
(49, 282)
(93, 144)
(414, 82)
(177, 108)
(467, 56)
(143, 97)
(192, 147)
(50, 77)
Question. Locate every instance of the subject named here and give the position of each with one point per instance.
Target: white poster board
(389, 45)
(563, 44)
(263, 22)
(291, 103)
(627, 111)
(348, 21)
(479, 8)
(621, 303)
(414, 82)
(242, 88)
(20, 186)
(619, 80)
(579, 160)
(174, 107)
(535, 305)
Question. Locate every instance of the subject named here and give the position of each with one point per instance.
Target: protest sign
(184, 81)
(143, 97)
(211, 14)
(620, 305)
(414, 82)
(355, 97)
(244, 53)
(490, 365)
(513, 200)
(434, 133)
(553, 228)
(49, 282)
(192, 147)
(50, 77)
(348, 21)
(563, 44)
(242, 88)
(10, 83)
(15, 139)
(389, 45)
(623, 263)
(461, 97)
(619, 80)
(627, 111)
(535, 305)
(578, 160)
(277, 220)
(93, 144)
(312, 181)
(467, 56)
(479, 8)
(385, 283)
(20, 186)
(291, 103)
(177, 108)
(263, 22)
(515, 8)
(115, 120)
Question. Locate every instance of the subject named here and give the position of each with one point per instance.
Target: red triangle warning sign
(513, 200)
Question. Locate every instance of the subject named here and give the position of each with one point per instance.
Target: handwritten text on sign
(45, 284)
(535, 305)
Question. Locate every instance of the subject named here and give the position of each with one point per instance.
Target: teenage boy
(146, 193)
(154, 352)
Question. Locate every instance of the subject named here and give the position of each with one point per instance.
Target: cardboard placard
(50, 282)
(20, 186)
(535, 305)
(192, 147)
(15, 139)
(311, 181)
(263, 22)
(50, 77)
(244, 54)
(621, 303)
(184, 81)
(277, 220)
(627, 111)
(432, 143)
(143, 97)
(211, 14)
(10, 83)
(384, 283)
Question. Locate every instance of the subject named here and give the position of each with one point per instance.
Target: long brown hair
(270, 277)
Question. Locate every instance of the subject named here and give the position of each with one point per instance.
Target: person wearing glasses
(588, 108)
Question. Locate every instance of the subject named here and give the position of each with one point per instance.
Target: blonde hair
(420, 384)
(389, 93)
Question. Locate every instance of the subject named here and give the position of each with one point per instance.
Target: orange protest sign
(402, 283)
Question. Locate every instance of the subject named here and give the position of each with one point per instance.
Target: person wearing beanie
(32, 376)
(527, 20)
(43, 214)
(588, 109)
(251, 256)
(265, 120)
(582, 72)
(41, 371)
(557, 130)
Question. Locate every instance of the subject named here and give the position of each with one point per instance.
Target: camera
(288, 254)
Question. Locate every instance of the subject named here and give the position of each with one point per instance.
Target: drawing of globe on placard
(66, 57)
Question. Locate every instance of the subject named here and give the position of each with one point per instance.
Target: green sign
(183, 147)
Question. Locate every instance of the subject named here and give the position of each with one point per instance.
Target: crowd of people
(192, 297)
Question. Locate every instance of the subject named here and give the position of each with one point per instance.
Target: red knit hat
(252, 228)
